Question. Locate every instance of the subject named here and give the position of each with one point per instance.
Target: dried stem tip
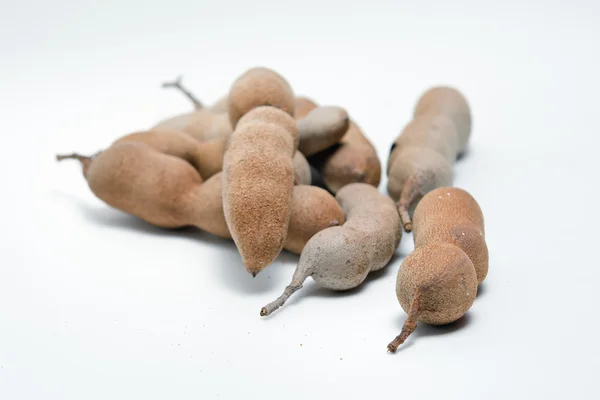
(178, 85)
(274, 305)
(409, 325)
(409, 193)
(74, 156)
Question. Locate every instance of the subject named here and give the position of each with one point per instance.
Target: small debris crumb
(341, 358)
(300, 344)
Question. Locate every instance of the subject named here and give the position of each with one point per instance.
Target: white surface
(95, 304)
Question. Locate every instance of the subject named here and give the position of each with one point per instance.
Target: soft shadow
(463, 155)
(481, 290)
(425, 330)
(277, 275)
(311, 289)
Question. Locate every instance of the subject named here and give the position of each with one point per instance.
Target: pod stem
(297, 280)
(409, 192)
(409, 325)
(85, 161)
(178, 85)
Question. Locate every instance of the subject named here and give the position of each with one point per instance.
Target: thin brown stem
(274, 305)
(409, 325)
(85, 161)
(178, 85)
(409, 192)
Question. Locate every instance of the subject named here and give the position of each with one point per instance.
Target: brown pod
(302, 173)
(258, 180)
(322, 128)
(312, 209)
(421, 160)
(221, 105)
(259, 87)
(341, 257)
(206, 157)
(354, 160)
(451, 215)
(202, 124)
(447, 101)
(433, 132)
(437, 285)
(167, 192)
(303, 105)
(271, 115)
(163, 190)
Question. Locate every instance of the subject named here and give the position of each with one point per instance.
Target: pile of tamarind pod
(238, 168)
(246, 169)
(437, 283)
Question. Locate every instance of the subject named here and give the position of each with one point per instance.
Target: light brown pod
(258, 180)
(302, 173)
(303, 105)
(160, 189)
(451, 215)
(448, 101)
(221, 105)
(433, 132)
(340, 257)
(206, 157)
(259, 87)
(437, 285)
(202, 124)
(421, 160)
(354, 160)
(271, 115)
(167, 192)
(321, 128)
(312, 209)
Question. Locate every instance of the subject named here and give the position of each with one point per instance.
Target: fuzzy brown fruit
(206, 157)
(421, 160)
(303, 105)
(302, 172)
(448, 101)
(452, 215)
(339, 258)
(167, 192)
(256, 87)
(437, 285)
(202, 124)
(353, 160)
(258, 180)
(322, 128)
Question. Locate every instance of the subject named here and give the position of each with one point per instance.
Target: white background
(95, 304)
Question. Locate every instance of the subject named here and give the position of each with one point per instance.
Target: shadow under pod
(425, 330)
(311, 289)
(463, 155)
(233, 274)
(481, 290)
(230, 269)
